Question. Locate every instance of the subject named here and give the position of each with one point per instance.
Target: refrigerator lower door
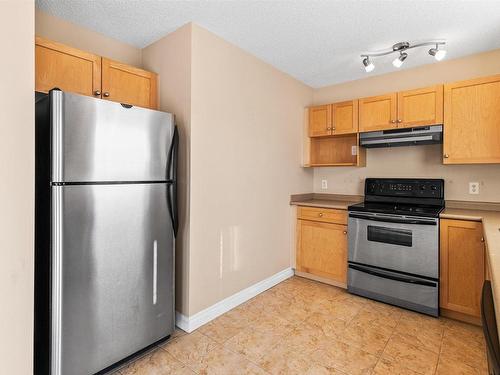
(112, 274)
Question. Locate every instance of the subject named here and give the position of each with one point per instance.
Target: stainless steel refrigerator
(106, 218)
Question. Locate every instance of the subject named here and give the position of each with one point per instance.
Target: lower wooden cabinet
(322, 250)
(462, 266)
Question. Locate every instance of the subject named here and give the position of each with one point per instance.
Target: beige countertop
(340, 202)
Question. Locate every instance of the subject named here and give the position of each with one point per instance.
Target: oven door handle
(384, 275)
(394, 220)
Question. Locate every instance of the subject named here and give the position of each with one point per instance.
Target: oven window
(402, 237)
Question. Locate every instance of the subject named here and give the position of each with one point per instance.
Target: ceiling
(317, 42)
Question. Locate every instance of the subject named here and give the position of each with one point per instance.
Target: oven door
(399, 243)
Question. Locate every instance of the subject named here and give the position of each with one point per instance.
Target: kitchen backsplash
(413, 161)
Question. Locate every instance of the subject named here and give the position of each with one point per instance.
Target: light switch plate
(324, 184)
(473, 187)
(354, 150)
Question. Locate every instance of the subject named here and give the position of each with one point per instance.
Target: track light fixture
(400, 48)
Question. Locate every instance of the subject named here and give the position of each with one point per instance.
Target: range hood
(422, 135)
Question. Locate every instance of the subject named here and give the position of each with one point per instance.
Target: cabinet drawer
(327, 215)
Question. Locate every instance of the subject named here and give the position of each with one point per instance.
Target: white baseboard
(190, 323)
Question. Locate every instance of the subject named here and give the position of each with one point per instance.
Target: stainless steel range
(394, 243)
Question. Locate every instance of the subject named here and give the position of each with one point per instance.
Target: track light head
(438, 54)
(368, 64)
(398, 61)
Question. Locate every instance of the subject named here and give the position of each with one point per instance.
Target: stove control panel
(412, 188)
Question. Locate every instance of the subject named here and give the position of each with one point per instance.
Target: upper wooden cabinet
(462, 266)
(472, 121)
(402, 110)
(333, 119)
(345, 117)
(72, 70)
(125, 84)
(320, 120)
(378, 112)
(420, 107)
(66, 68)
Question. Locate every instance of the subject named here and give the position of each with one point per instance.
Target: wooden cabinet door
(320, 120)
(420, 107)
(345, 117)
(69, 69)
(322, 250)
(472, 121)
(377, 113)
(126, 84)
(461, 266)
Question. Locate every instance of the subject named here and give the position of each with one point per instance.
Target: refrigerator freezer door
(97, 140)
(112, 274)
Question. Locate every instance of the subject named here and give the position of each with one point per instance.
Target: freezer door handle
(172, 176)
(390, 276)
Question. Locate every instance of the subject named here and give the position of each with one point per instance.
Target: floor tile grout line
(440, 350)
(387, 343)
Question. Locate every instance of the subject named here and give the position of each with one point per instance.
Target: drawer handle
(320, 214)
(97, 93)
(446, 156)
(106, 94)
(345, 232)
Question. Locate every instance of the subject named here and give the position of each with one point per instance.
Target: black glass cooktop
(397, 209)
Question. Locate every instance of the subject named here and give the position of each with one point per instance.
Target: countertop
(340, 202)
(487, 213)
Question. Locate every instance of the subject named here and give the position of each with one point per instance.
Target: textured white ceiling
(317, 42)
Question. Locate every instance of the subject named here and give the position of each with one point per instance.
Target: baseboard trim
(190, 323)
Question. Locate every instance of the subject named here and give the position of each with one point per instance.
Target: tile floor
(304, 327)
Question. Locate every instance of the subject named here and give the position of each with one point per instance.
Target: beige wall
(17, 186)
(76, 36)
(246, 130)
(170, 57)
(420, 161)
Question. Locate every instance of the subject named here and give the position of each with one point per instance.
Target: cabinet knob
(320, 214)
(106, 94)
(446, 156)
(482, 239)
(333, 129)
(97, 93)
(399, 121)
(345, 232)
(393, 121)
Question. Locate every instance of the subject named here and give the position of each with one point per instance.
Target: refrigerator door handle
(155, 271)
(172, 177)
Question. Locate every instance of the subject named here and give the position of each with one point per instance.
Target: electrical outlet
(473, 187)
(324, 184)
